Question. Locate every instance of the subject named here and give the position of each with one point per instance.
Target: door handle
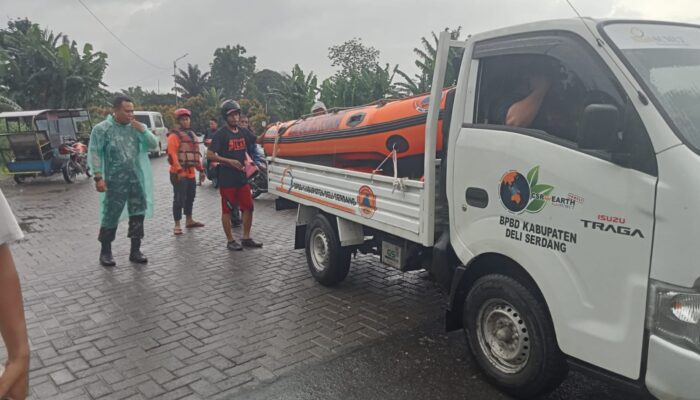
(477, 197)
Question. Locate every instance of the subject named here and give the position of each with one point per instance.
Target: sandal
(195, 225)
(177, 231)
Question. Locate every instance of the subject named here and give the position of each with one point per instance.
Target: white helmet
(318, 107)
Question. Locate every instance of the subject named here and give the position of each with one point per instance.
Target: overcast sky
(284, 32)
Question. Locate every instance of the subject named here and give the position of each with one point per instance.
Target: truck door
(579, 221)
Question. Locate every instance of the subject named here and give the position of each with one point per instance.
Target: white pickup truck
(571, 242)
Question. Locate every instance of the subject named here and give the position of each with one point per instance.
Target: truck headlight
(674, 314)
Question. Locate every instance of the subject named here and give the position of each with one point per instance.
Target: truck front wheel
(328, 261)
(511, 335)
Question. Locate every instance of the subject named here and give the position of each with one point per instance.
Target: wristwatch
(97, 178)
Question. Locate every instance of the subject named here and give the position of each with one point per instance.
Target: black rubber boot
(135, 254)
(106, 237)
(106, 259)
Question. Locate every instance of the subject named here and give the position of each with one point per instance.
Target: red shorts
(232, 196)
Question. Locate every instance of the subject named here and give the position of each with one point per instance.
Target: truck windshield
(667, 59)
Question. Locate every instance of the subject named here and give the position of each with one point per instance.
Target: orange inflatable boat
(360, 138)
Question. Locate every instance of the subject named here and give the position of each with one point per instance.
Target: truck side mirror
(598, 130)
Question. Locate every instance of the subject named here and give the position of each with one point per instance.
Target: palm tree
(423, 80)
(212, 97)
(78, 74)
(192, 82)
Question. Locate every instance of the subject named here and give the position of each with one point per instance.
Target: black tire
(83, 166)
(526, 364)
(328, 262)
(255, 192)
(19, 179)
(69, 172)
(256, 185)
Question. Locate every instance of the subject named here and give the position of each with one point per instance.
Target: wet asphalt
(425, 363)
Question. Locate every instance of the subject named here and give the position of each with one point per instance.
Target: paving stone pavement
(198, 322)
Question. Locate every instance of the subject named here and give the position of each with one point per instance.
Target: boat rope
(274, 147)
(398, 182)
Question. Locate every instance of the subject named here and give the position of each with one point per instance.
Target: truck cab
(587, 207)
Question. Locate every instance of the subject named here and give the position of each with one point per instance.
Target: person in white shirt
(14, 380)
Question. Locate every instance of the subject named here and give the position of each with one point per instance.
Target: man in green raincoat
(118, 156)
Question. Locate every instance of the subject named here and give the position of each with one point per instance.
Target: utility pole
(175, 74)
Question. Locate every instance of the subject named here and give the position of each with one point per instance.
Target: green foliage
(147, 97)
(256, 113)
(264, 87)
(360, 79)
(212, 97)
(353, 56)
(7, 104)
(231, 70)
(297, 93)
(41, 69)
(192, 82)
(360, 87)
(423, 80)
(98, 113)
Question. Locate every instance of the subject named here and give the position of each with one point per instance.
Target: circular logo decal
(367, 201)
(514, 191)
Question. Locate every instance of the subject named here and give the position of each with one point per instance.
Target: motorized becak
(44, 142)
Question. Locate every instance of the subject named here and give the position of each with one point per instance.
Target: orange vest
(188, 153)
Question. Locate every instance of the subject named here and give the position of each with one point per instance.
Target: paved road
(422, 363)
(200, 322)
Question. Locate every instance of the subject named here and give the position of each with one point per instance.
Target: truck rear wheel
(328, 261)
(511, 335)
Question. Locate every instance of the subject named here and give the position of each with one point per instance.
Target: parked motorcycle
(258, 181)
(77, 161)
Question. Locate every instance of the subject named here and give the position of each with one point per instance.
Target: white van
(154, 121)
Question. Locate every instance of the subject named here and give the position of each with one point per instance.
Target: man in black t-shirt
(228, 147)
